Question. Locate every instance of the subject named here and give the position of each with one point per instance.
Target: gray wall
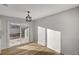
(4, 23)
(67, 22)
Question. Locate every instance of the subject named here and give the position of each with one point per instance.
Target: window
(14, 31)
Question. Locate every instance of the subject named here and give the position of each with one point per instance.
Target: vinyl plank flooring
(29, 49)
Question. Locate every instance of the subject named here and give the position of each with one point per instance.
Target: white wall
(67, 23)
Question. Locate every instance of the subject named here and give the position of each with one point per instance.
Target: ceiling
(37, 10)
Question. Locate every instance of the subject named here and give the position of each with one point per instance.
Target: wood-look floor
(29, 49)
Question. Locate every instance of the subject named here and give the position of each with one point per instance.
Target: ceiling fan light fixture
(28, 17)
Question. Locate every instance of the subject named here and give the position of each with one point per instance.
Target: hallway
(29, 49)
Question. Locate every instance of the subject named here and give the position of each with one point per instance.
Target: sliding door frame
(8, 31)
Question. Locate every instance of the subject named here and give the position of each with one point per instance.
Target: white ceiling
(37, 10)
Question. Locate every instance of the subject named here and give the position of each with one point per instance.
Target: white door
(41, 36)
(54, 40)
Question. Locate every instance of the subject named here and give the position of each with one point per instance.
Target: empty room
(39, 29)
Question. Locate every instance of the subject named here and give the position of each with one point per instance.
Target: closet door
(41, 36)
(54, 40)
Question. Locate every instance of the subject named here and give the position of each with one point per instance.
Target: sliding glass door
(18, 34)
(14, 34)
(24, 34)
